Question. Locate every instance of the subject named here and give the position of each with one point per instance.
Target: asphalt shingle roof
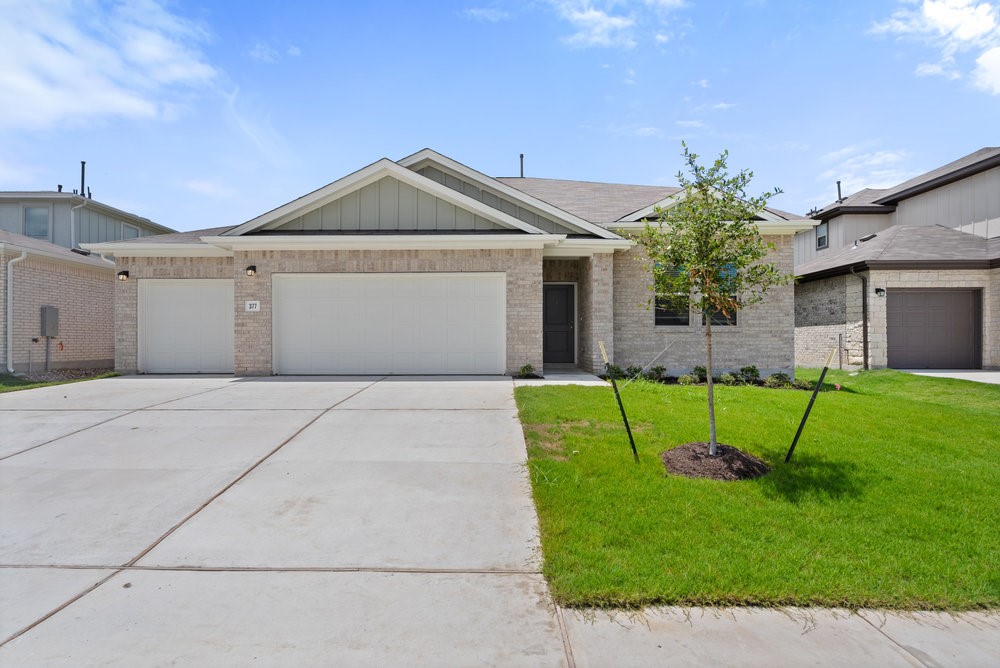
(20, 241)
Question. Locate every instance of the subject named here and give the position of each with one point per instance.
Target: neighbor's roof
(602, 203)
(52, 195)
(910, 245)
(17, 243)
(884, 200)
(189, 237)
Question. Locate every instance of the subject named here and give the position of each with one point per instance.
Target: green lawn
(11, 383)
(892, 499)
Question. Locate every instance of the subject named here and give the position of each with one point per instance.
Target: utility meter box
(50, 321)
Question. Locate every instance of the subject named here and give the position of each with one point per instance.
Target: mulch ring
(692, 460)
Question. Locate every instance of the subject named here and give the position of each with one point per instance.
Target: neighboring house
(905, 277)
(426, 266)
(36, 274)
(38, 269)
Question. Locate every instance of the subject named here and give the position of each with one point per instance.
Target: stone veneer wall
(830, 307)
(524, 296)
(127, 295)
(764, 335)
(83, 295)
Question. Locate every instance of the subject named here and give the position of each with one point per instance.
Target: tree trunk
(713, 445)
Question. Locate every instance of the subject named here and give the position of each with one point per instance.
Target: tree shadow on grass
(808, 477)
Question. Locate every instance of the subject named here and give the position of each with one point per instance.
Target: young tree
(705, 251)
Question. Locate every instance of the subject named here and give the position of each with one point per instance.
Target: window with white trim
(129, 231)
(822, 238)
(36, 222)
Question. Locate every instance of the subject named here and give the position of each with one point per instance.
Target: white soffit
(672, 200)
(430, 156)
(371, 174)
(383, 241)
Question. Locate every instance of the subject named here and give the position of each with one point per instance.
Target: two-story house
(905, 277)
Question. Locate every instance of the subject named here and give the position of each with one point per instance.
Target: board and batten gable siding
(972, 205)
(389, 205)
(93, 227)
(841, 233)
(494, 200)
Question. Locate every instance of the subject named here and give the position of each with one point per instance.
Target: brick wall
(763, 337)
(596, 311)
(83, 295)
(126, 307)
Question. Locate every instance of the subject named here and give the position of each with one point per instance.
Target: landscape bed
(890, 500)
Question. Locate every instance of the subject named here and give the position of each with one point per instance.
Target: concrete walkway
(975, 375)
(347, 521)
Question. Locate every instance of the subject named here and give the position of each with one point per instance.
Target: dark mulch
(42, 376)
(692, 460)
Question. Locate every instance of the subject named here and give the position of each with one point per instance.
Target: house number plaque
(253, 307)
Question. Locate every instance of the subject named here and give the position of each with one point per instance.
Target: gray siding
(91, 226)
(841, 233)
(970, 203)
(94, 227)
(387, 205)
(495, 200)
(10, 217)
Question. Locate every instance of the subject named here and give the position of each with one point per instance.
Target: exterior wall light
(123, 275)
(252, 270)
(880, 292)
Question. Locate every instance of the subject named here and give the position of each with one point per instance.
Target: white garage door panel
(390, 323)
(186, 326)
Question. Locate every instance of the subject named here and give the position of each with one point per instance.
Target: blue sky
(199, 114)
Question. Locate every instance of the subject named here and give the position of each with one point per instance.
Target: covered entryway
(185, 326)
(405, 323)
(934, 329)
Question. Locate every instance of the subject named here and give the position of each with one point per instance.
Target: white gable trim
(672, 200)
(764, 227)
(383, 241)
(418, 159)
(368, 175)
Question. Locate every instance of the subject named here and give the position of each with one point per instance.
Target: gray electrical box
(50, 321)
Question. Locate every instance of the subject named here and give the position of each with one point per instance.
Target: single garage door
(430, 323)
(934, 329)
(186, 326)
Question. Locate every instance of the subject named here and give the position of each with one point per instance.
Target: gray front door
(558, 331)
(933, 329)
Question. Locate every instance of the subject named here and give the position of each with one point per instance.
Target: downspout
(864, 316)
(10, 310)
(72, 224)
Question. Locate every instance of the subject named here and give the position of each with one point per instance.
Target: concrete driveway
(288, 521)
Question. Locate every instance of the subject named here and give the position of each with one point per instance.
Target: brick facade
(828, 314)
(763, 336)
(83, 294)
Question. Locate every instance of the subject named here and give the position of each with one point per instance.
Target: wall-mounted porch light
(123, 275)
(880, 292)
(252, 270)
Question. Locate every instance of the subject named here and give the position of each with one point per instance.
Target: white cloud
(987, 73)
(693, 124)
(263, 53)
(858, 167)
(953, 28)
(293, 51)
(617, 23)
(723, 106)
(487, 14)
(70, 63)
(209, 188)
(635, 130)
(701, 83)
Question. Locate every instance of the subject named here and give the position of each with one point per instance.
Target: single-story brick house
(36, 274)
(906, 277)
(424, 265)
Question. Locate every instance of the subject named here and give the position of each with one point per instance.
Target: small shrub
(686, 379)
(802, 384)
(633, 371)
(526, 371)
(656, 373)
(778, 380)
(729, 379)
(615, 371)
(701, 373)
(749, 375)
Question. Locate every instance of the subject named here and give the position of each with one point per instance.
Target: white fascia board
(764, 227)
(138, 249)
(672, 200)
(587, 247)
(414, 161)
(368, 175)
(94, 262)
(384, 242)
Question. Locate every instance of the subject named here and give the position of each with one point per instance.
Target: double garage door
(412, 323)
(934, 329)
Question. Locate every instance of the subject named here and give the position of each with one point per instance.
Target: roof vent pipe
(60, 187)
(522, 165)
(840, 198)
(83, 174)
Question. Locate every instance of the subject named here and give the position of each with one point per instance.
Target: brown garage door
(934, 329)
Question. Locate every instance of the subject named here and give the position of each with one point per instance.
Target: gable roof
(18, 243)
(908, 246)
(884, 200)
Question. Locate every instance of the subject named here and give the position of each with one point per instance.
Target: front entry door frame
(576, 317)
